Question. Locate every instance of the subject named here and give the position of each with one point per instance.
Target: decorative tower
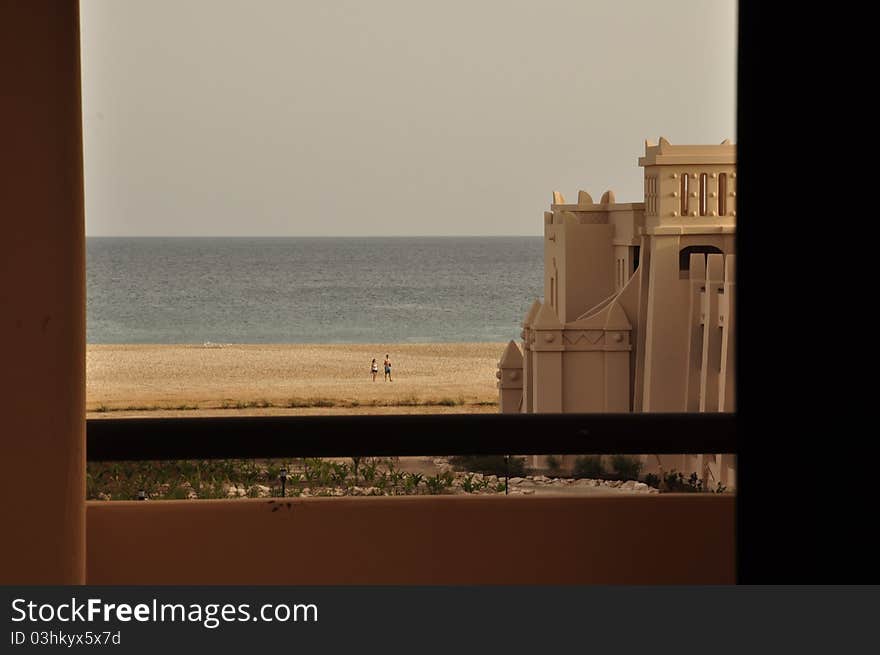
(578, 256)
(546, 372)
(528, 361)
(690, 209)
(510, 379)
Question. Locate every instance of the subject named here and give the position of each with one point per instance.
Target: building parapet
(666, 154)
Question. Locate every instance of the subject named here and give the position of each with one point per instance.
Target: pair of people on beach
(374, 369)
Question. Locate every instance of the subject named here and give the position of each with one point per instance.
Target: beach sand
(256, 379)
(156, 381)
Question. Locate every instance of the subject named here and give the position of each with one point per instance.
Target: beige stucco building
(637, 314)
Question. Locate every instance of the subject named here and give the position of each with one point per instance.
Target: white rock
(526, 492)
(516, 480)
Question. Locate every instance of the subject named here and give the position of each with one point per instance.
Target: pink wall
(657, 539)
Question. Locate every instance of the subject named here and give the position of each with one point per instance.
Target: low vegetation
(626, 467)
(259, 478)
(676, 482)
(623, 467)
(298, 403)
(497, 465)
(360, 476)
(589, 466)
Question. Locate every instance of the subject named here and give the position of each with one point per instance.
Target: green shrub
(626, 467)
(553, 464)
(489, 464)
(652, 480)
(589, 466)
(369, 470)
(411, 482)
(177, 492)
(435, 484)
(675, 481)
(338, 473)
(468, 485)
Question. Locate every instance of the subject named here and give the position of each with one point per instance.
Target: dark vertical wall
(42, 295)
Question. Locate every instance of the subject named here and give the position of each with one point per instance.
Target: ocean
(310, 290)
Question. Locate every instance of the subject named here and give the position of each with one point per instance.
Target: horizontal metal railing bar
(246, 437)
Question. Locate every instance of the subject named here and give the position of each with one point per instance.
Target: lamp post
(283, 482)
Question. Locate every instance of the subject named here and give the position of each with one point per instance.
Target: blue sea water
(310, 290)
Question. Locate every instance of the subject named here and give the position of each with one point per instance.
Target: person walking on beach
(374, 369)
(388, 369)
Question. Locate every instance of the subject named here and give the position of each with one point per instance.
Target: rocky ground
(475, 484)
(404, 476)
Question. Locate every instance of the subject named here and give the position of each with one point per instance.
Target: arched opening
(684, 257)
(722, 194)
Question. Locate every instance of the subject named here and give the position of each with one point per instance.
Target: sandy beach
(130, 380)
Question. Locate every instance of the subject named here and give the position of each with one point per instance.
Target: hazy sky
(330, 117)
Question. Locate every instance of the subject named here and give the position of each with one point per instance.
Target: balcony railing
(416, 435)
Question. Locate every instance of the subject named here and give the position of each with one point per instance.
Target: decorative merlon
(584, 198)
(546, 319)
(531, 314)
(667, 154)
(512, 357)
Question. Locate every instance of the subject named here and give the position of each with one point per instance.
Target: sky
(387, 117)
